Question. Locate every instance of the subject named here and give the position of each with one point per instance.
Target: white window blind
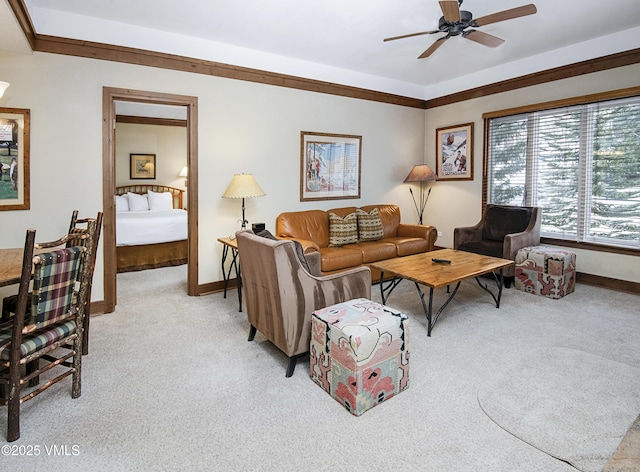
(581, 164)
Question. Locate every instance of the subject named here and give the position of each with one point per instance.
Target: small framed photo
(142, 166)
(15, 130)
(454, 152)
(329, 166)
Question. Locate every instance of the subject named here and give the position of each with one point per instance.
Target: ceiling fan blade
(483, 38)
(450, 10)
(410, 35)
(439, 42)
(517, 12)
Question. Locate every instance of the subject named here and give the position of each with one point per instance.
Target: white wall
(243, 127)
(247, 127)
(454, 204)
(168, 143)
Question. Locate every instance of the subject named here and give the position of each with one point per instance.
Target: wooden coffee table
(423, 270)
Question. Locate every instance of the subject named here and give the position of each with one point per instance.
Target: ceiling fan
(456, 22)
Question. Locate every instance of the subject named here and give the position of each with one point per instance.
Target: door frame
(110, 96)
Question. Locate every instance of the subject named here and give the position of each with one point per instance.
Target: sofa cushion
(485, 247)
(339, 258)
(369, 225)
(343, 230)
(373, 251)
(310, 225)
(407, 246)
(342, 211)
(500, 221)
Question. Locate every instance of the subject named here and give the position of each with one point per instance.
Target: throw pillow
(265, 233)
(369, 225)
(343, 230)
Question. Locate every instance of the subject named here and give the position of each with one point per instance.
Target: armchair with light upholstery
(502, 230)
(280, 293)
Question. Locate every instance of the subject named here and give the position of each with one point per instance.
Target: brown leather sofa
(311, 229)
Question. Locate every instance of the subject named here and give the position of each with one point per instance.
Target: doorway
(109, 98)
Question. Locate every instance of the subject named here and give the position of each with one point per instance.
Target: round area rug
(570, 404)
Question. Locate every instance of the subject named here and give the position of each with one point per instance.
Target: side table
(231, 244)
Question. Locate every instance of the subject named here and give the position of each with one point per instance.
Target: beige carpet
(171, 384)
(572, 405)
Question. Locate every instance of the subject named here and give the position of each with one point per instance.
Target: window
(580, 163)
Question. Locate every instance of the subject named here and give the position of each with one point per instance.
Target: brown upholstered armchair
(280, 293)
(501, 232)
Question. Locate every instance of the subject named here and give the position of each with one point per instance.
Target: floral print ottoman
(546, 271)
(359, 353)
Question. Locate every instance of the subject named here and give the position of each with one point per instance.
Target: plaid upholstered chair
(281, 293)
(51, 330)
(78, 228)
(81, 233)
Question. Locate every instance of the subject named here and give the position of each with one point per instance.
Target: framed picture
(329, 166)
(142, 166)
(15, 124)
(454, 152)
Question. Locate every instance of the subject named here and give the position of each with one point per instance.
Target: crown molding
(93, 50)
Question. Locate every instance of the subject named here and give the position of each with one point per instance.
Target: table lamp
(243, 186)
(184, 173)
(420, 173)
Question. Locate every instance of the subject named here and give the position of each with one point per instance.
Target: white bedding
(134, 228)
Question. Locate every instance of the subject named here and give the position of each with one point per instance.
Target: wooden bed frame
(151, 256)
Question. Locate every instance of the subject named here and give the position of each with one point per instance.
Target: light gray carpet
(171, 383)
(568, 403)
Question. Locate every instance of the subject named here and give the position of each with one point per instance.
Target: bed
(151, 227)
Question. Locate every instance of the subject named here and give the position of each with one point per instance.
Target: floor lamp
(420, 173)
(243, 186)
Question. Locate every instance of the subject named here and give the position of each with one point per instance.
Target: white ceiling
(340, 41)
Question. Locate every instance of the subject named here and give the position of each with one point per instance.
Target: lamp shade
(183, 172)
(243, 186)
(3, 87)
(420, 173)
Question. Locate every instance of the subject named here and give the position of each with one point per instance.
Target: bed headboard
(144, 188)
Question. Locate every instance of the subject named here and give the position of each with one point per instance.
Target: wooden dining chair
(82, 232)
(50, 330)
(80, 226)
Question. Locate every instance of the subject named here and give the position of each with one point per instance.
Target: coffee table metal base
(428, 307)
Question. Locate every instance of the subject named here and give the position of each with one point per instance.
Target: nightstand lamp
(3, 86)
(183, 173)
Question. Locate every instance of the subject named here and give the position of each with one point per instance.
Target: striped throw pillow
(343, 230)
(369, 225)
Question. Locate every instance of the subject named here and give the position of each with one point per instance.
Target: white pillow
(160, 201)
(122, 204)
(138, 202)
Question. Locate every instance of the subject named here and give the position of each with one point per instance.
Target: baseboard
(97, 307)
(608, 282)
(213, 287)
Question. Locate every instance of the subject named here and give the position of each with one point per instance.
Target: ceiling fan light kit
(455, 22)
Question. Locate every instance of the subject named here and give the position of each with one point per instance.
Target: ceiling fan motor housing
(454, 29)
